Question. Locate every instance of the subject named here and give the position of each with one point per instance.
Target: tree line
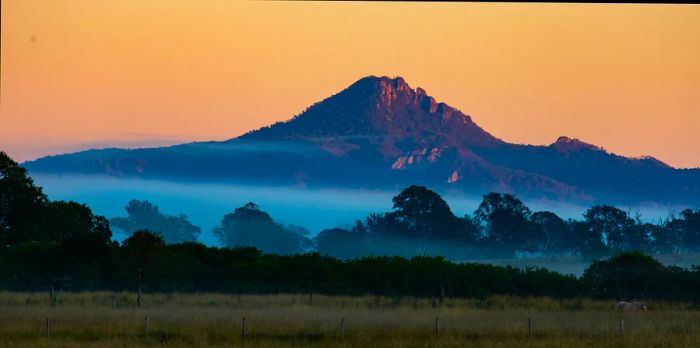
(46, 243)
(422, 223)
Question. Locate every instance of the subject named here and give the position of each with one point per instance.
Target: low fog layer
(206, 204)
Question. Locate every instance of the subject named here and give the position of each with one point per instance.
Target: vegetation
(248, 225)
(110, 319)
(145, 215)
(421, 223)
(55, 244)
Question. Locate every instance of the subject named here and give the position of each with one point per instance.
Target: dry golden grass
(106, 319)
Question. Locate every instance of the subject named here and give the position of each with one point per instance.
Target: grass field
(107, 319)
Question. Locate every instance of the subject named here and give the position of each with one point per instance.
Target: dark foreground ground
(104, 319)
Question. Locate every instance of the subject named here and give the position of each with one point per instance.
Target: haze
(314, 209)
(79, 74)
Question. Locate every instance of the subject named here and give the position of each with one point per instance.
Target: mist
(315, 209)
(206, 204)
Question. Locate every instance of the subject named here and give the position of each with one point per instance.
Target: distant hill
(381, 133)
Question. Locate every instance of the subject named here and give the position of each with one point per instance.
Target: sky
(79, 74)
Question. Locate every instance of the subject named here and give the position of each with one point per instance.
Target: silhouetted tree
(70, 220)
(250, 226)
(612, 225)
(143, 243)
(426, 215)
(145, 215)
(670, 236)
(506, 221)
(341, 243)
(141, 247)
(420, 223)
(360, 228)
(641, 237)
(22, 205)
(552, 234)
(692, 228)
(626, 276)
(27, 216)
(589, 242)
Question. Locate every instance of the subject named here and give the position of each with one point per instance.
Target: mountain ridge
(379, 132)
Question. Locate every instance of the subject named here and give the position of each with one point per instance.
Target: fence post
(437, 326)
(622, 327)
(48, 328)
(51, 297)
(139, 299)
(342, 327)
(529, 327)
(145, 324)
(244, 329)
(311, 298)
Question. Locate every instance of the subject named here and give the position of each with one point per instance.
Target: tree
(507, 224)
(420, 213)
(588, 241)
(250, 226)
(421, 223)
(426, 215)
(27, 216)
(692, 228)
(302, 233)
(71, 220)
(670, 237)
(21, 205)
(341, 243)
(140, 248)
(612, 225)
(145, 215)
(640, 236)
(552, 233)
(626, 276)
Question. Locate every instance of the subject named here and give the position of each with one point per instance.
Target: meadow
(111, 319)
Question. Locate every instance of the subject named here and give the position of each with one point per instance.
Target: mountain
(381, 133)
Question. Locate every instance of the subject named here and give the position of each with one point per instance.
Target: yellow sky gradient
(77, 73)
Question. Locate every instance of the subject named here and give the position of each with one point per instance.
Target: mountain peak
(388, 89)
(380, 106)
(384, 80)
(380, 84)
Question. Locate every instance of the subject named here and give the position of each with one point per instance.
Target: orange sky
(129, 72)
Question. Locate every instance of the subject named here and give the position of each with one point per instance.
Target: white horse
(630, 306)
